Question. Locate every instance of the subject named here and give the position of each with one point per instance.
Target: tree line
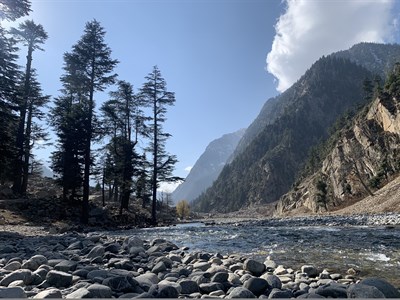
(122, 121)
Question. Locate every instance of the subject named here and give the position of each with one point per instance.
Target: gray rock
(100, 291)
(332, 290)
(385, 287)
(280, 270)
(134, 251)
(280, 294)
(66, 266)
(257, 286)
(50, 293)
(59, 279)
(147, 279)
(159, 267)
(113, 248)
(188, 287)
(363, 291)
(39, 259)
(273, 281)
(254, 267)
(96, 251)
(143, 295)
(17, 283)
(75, 246)
(167, 292)
(240, 292)
(220, 277)
(123, 284)
(97, 273)
(207, 288)
(30, 264)
(12, 292)
(132, 241)
(311, 271)
(201, 265)
(22, 274)
(270, 265)
(80, 294)
(188, 259)
(13, 266)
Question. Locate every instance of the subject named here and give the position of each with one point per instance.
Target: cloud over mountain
(309, 29)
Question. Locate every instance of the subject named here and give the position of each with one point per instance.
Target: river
(373, 250)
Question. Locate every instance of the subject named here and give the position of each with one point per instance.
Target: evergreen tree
(154, 93)
(13, 9)
(123, 117)
(32, 36)
(9, 74)
(88, 69)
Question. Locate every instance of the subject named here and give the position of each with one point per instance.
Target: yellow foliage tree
(183, 209)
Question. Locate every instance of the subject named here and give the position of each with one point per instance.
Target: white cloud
(309, 29)
(188, 169)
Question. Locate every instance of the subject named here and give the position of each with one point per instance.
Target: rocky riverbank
(93, 265)
(383, 219)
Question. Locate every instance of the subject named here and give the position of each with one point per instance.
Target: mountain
(275, 147)
(207, 167)
(363, 156)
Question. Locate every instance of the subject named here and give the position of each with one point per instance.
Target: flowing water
(373, 250)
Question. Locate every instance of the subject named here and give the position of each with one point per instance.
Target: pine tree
(88, 69)
(9, 74)
(32, 36)
(13, 9)
(154, 93)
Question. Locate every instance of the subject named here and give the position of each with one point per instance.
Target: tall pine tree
(88, 69)
(32, 36)
(154, 93)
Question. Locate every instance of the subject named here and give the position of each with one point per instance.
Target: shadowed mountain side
(207, 167)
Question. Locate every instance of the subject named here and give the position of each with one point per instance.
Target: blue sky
(212, 53)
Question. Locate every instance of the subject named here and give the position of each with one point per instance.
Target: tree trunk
(17, 184)
(155, 162)
(27, 149)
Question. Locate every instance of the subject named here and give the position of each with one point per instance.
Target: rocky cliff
(365, 157)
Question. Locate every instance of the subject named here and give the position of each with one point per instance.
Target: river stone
(75, 246)
(123, 284)
(167, 292)
(113, 248)
(12, 292)
(100, 291)
(97, 273)
(96, 251)
(311, 271)
(273, 280)
(59, 279)
(363, 291)
(188, 258)
(167, 262)
(80, 294)
(220, 277)
(159, 267)
(201, 265)
(270, 265)
(206, 288)
(39, 259)
(13, 266)
(22, 274)
(188, 287)
(332, 290)
(50, 293)
(280, 270)
(17, 283)
(147, 280)
(234, 279)
(280, 294)
(135, 251)
(257, 286)
(254, 267)
(234, 267)
(385, 287)
(240, 292)
(175, 257)
(30, 264)
(66, 266)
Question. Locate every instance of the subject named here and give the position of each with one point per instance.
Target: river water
(373, 250)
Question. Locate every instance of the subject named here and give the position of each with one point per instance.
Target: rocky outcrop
(364, 158)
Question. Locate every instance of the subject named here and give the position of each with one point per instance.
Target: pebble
(72, 265)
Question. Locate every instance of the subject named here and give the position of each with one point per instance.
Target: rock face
(364, 157)
(207, 167)
(276, 146)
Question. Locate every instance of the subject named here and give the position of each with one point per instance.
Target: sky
(222, 58)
